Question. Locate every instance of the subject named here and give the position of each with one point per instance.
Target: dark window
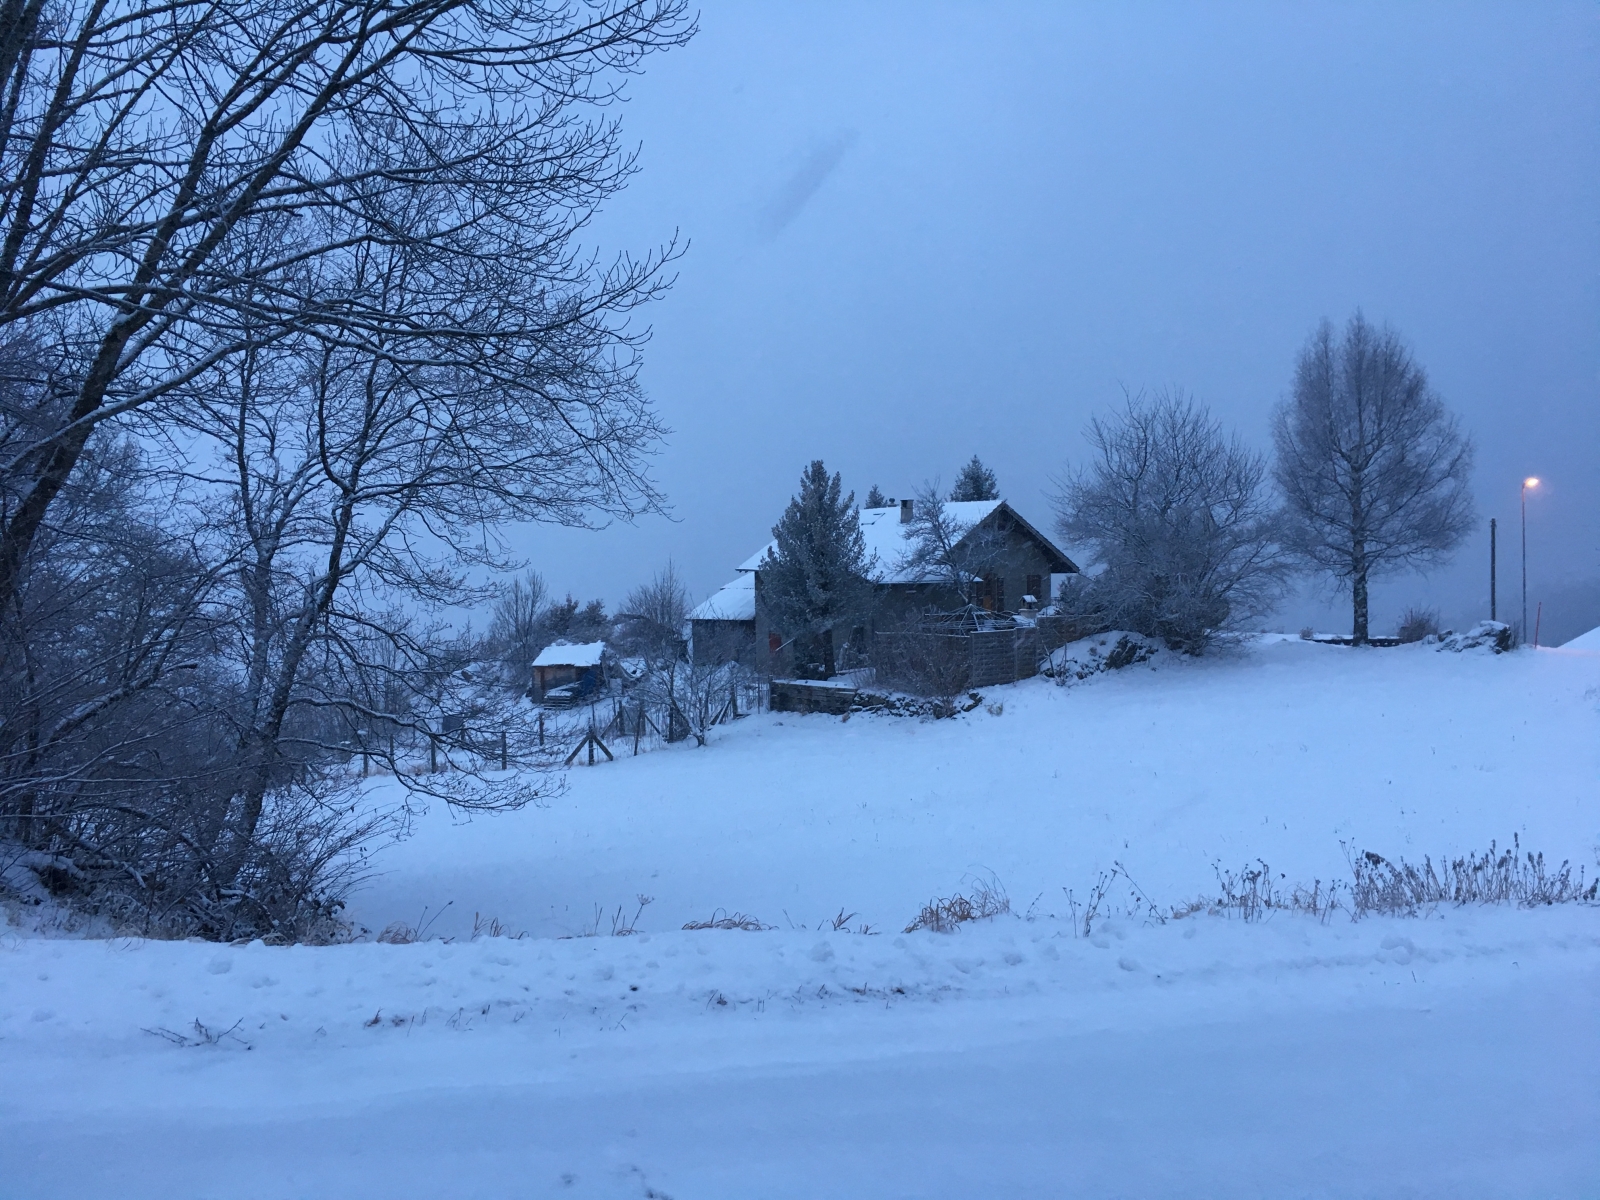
(1034, 583)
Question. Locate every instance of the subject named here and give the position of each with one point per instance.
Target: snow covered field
(1452, 1054)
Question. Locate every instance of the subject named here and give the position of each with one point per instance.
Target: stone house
(1013, 562)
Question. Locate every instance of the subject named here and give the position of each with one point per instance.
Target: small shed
(577, 670)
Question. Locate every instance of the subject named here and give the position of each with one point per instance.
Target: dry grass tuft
(724, 920)
(946, 915)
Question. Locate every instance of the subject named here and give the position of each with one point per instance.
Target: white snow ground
(1448, 1055)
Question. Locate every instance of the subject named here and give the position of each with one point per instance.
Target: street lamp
(1530, 481)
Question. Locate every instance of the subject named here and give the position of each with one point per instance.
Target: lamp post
(1530, 481)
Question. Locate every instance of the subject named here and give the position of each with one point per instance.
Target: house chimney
(905, 512)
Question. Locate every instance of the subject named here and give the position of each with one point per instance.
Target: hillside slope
(1447, 1053)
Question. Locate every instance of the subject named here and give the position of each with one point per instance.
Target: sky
(916, 232)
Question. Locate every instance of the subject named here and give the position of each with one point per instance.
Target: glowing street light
(1529, 482)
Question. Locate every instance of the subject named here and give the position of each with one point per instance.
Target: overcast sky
(919, 232)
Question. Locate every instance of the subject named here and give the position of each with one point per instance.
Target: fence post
(433, 757)
(541, 729)
(502, 749)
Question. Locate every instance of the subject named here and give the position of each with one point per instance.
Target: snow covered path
(1453, 1055)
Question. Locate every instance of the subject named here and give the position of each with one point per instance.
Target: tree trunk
(1358, 597)
(826, 638)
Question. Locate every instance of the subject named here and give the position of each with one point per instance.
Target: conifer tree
(814, 580)
(975, 482)
(876, 499)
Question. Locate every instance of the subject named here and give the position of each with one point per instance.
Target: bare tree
(695, 695)
(322, 263)
(947, 548)
(515, 627)
(654, 615)
(1177, 517)
(1374, 471)
(180, 182)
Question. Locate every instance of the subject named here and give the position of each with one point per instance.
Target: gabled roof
(583, 654)
(887, 539)
(734, 601)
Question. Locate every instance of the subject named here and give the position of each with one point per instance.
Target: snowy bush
(1417, 624)
(1177, 516)
(935, 666)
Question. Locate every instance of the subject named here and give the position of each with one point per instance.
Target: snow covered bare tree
(515, 624)
(814, 580)
(944, 547)
(179, 180)
(1179, 521)
(975, 482)
(1373, 469)
(654, 614)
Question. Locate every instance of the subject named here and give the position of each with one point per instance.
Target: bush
(937, 666)
(1177, 516)
(1418, 623)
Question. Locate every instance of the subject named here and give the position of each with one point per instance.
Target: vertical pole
(433, 757)
(1537, 617)
(541, 729)
(1522, 634)
(1492, 615)
(502, 749)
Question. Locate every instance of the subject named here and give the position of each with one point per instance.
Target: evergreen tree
(814, 581)
(875, 499)
(976, 482)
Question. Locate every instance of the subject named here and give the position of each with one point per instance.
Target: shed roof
(565, 654)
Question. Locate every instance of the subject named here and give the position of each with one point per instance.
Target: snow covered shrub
(1179, 521)
(1417, 624)
(945, 915)
(936, 666)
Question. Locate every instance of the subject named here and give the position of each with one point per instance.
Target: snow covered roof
(582, 654)
(734, 601)
(887, 539)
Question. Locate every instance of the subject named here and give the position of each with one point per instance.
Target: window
(1035, 582)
